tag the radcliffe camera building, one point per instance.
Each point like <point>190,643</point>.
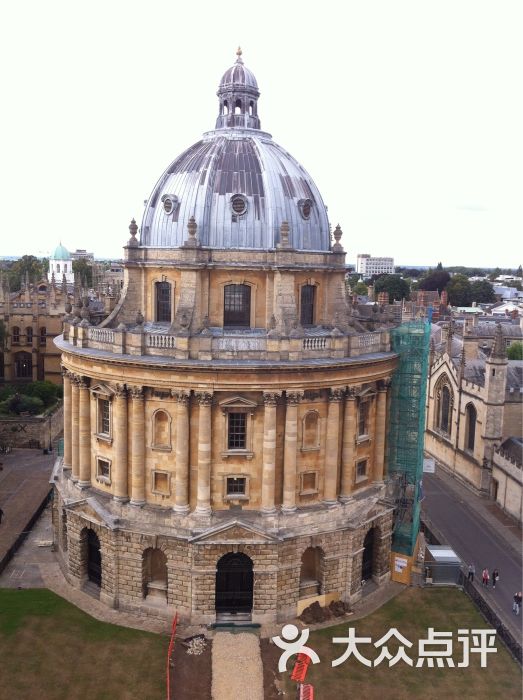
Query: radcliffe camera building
<point>224,440</point>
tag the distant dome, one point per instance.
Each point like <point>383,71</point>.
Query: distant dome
<point>61,253</point>
<point>237,183</point>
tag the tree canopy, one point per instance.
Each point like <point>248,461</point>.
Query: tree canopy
<point>84,270</point>
<point>515,351</point>
<point>482,292</point>
<point>37,269</point>
<point>459,291</point>
<point>435,280</point>
<point>394,285</point>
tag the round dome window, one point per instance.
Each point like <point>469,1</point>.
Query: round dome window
<point>170,203</point>
<point>305,206</point>
<point>238,204</point>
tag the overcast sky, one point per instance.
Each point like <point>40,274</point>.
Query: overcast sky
<point>407,114</point>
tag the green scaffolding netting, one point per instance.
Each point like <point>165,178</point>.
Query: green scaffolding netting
<point>406,429</point>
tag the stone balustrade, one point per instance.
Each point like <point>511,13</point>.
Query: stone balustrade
<point>247,346</point>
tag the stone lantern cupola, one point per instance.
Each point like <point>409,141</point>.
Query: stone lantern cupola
<point>238,94</point>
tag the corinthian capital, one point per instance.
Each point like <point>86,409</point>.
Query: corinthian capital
<point>181,395</point>
<point>270,398</point>
<point>120,391</point>
<point>203,398</point>
<point>293,398</point>
<point>336,394</point>
<point>136,392</point>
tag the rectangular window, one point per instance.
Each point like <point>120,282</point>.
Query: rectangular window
<point>308,293</point>
<point>361,470</point>
<point>104,417</point>
<point>29,335</point>
<point>236,486</point>
<point>103,470</point>
<point>163,302</point>
<point>363,418</point>
<point>237,305</point>
<point>237,431</point>
<point>161,483</point>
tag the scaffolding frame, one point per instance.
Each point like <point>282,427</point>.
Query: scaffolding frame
<point>406,428</point>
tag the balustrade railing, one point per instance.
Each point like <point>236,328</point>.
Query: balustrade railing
<point>162,342</point>
<point>315,343</point>
<point>101,335</point>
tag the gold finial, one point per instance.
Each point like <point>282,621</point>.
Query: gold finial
<point>239,55</point>
<point>239,51</point>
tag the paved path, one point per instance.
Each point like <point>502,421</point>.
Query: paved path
<point>478,534</point>
<point>24,486</point>
<point>237,670</point>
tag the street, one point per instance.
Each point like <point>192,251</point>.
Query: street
<point>458,514</point>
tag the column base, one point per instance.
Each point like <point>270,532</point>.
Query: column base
<point>136,503</point>
<point>330,504</point>
<point>269,510</point>
<point>121,499</point>
<point>83,484</point>
<point>202,510</point>
<point>287,510</point>
<point>74,479</point>
<point>182,510</point>
<point>345,499</point>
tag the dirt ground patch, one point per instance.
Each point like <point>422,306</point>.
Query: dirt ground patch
<point>191,676</point>
<point>272,680</point>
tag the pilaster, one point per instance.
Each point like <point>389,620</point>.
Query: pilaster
<point>289,459</point>
<point>137,446</point>
<point>270,399</point>
<point>203,504</point>
<point>181,499</point>
<point>84,421</point>
<point>332,446</point>
<point>121,492</point>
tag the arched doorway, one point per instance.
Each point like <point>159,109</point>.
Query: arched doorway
<point>234,584</point>
<point>311,572</point>
<point>368,556</point>
<point>94,558</point>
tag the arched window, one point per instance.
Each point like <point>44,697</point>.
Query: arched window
<point>225,109</point>
<point>28,335</point>
<point>238,107</point>
<point>16,335</point>
<point>311,572</point>
<point>161,430</point>
<point>43,335</point>
<point>307,299</point>
<point>58,267</point>
<point>65,267</point>
<point>444,404</point>
<point>251,108</point>
<point>237,305</point>
<point>154,573</point>
<point>311,431</point>
<point>470,427</point>
<point>23,365</point>
<point>163,302</point>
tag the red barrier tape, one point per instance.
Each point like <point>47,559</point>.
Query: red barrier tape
<point>169,655</point>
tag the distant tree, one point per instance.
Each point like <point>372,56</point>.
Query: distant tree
<point>513,283</point>
<point>515,351</point>
<point>84,270</point>
<point>435,280</point>
<point>27,264</point>
<point>495,274</point>
<point>482,292</point>
<point>394,285</point>
<point>439,266</point>
<point>360,289</point>
<point>519,272</point>
<point>459,291</point>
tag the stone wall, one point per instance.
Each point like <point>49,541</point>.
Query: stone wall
<point>32,431</point>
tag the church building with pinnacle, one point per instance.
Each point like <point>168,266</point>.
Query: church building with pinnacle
<point>225,426</point>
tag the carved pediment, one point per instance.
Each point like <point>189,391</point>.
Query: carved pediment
<point>237,402</point>
<point>103,391</point>
<point>234,532</point>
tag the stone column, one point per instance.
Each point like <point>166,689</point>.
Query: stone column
<point>67,418</point>
<point>348,445</point>
<point>332,445</point>
<point>121,492</point>
<point>289,459</point>
<point>269,452</point>
<point>182,452</point>
<point>75,432</point>
<point>203,505</point>
<point>84,421</point>
<point>137,446</point>
<point>379,432</point>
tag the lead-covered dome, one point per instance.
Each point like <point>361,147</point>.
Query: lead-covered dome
<point>237,183</point>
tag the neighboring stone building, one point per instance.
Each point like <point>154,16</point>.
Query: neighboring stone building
<point>507,477</point>
<point>224,439</point>
<point>60,264</point>
<point>473,405</point>
<point>367,266</point>
<point>32,318</point>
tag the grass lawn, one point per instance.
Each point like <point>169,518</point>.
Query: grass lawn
<point>50,650</point>
<point>412,613</point>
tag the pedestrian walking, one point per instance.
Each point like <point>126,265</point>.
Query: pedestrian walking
<point>485,577</point>
<point>516,603</point>
<point>519,599</point>
<point>1,514</point>
<point>495,578</point>
<point>472,571</point>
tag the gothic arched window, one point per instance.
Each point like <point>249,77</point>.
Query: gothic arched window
<point>470,427</point>
<point>444,406</point>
